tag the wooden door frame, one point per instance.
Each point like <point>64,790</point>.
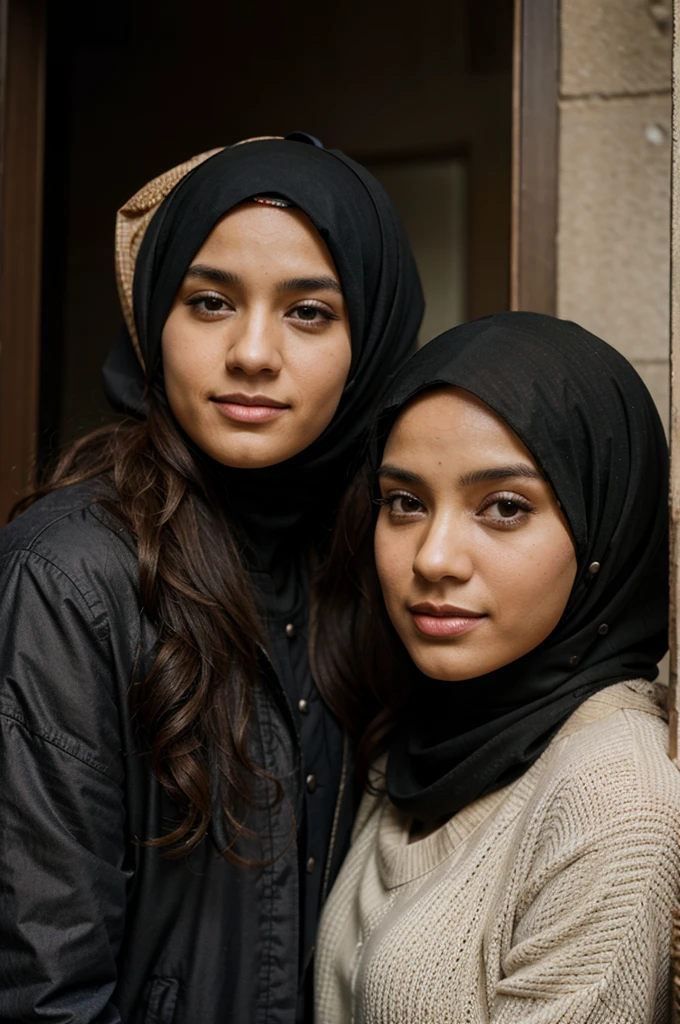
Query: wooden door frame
<point>674,503</point>
<point>535,121</point>
<point>22,99</point>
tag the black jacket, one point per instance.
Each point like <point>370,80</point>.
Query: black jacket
<point>95,926</point>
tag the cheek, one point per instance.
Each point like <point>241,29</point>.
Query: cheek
<point>532,585</point>
<point>393,562</point>
<point>553,568</point>
<point>186,363</point>
<point>319,372</point>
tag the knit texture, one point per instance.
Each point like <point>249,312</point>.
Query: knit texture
<point>548,901</point>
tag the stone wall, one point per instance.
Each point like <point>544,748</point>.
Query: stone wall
<point>614,178</point>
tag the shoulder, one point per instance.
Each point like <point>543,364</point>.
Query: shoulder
<point>69,575</point>
<point>610,782</point>
<point>626,745</point>
<point>64,522</point>
<point>69,535</point>
<point>70,623</point>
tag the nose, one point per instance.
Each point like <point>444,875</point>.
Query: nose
<point>254,344</point>
<point>445,552</point>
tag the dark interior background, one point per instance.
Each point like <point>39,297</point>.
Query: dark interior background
<point>134,88</point>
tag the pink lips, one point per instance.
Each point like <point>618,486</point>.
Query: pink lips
<point>444,620</point>
<point>243,408</point>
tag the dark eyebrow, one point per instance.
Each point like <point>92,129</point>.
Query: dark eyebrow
<point>481,476</point>
<point>213,274</point>
<point>309,284</point>
<point>293,284</point>
<point>476,476</point>
<point>405,475</point>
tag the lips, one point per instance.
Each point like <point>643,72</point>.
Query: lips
<point>444,620</point>
<point>244,408</point>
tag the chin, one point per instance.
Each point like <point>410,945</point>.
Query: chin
<point>245,461</point>
<point>247,456</point>
<point>243,450</point>
<point>436,665</point>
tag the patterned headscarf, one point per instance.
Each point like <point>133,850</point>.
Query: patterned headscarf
<point>163,226</point>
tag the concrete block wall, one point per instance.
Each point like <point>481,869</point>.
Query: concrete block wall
<point>614,178</point>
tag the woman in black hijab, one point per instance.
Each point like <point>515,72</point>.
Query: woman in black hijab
<point>174,789</point>
<point>525,834</point>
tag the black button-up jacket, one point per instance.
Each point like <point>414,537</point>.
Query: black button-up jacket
<point>95,926</point>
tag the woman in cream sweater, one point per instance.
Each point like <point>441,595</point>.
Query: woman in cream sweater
<point>517,853</point>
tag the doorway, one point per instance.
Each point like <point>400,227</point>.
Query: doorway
<point>125,89</point>
<point>135,88</point>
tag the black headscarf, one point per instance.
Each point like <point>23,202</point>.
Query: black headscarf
<point>594,432</point>
<point>366,240</point>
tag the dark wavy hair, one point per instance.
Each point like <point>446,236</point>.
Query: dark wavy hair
<point>195,706</point>
<point>360,665</point>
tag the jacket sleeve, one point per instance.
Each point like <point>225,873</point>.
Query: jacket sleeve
<point>592,933</point>
<point>62,877</point>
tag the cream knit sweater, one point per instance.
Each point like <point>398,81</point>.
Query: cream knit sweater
<point>548,901</point>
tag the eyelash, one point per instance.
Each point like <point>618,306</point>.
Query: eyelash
<point>326,315</point>
<point>525,507</point>
<point>196,300</point>
<point>389,499</point>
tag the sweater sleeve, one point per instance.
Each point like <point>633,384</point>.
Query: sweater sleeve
<point>62,877</point>
<point>590,939</point>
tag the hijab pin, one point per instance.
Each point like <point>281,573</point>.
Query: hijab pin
<point>271,201</point>
<point>594,568</point>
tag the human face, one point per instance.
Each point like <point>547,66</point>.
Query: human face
<point>474,556</point>
<point>256,348</point>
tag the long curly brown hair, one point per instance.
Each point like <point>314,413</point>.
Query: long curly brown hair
<point>195,706</point>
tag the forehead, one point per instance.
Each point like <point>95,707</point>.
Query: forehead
<point>251,228</point>
<point>449,423</point>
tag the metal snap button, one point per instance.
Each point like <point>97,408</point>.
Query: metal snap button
<point>311,783</point>
<point>303,706</point>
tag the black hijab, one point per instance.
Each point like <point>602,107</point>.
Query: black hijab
<point>594,432</point>
<point>366,240</point>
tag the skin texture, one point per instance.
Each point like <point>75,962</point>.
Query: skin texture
<point>499,548</point>
<point>249,330</point>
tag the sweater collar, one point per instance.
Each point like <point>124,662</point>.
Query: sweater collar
<point>401,862</point>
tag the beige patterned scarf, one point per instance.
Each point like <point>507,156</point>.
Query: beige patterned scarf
<point>134,218</point>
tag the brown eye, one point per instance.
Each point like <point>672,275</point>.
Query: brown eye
<point>213,304</point>
<point>206,305</point>
<point>507,509</point>
<point>406,503</point>
<point>315,316</point>
<point>402,505</point>
<point>307,312</point>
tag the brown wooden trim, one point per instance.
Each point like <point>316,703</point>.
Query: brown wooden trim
<point>22,43</point>
<point>533,247</point>
<point>674,625</point>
